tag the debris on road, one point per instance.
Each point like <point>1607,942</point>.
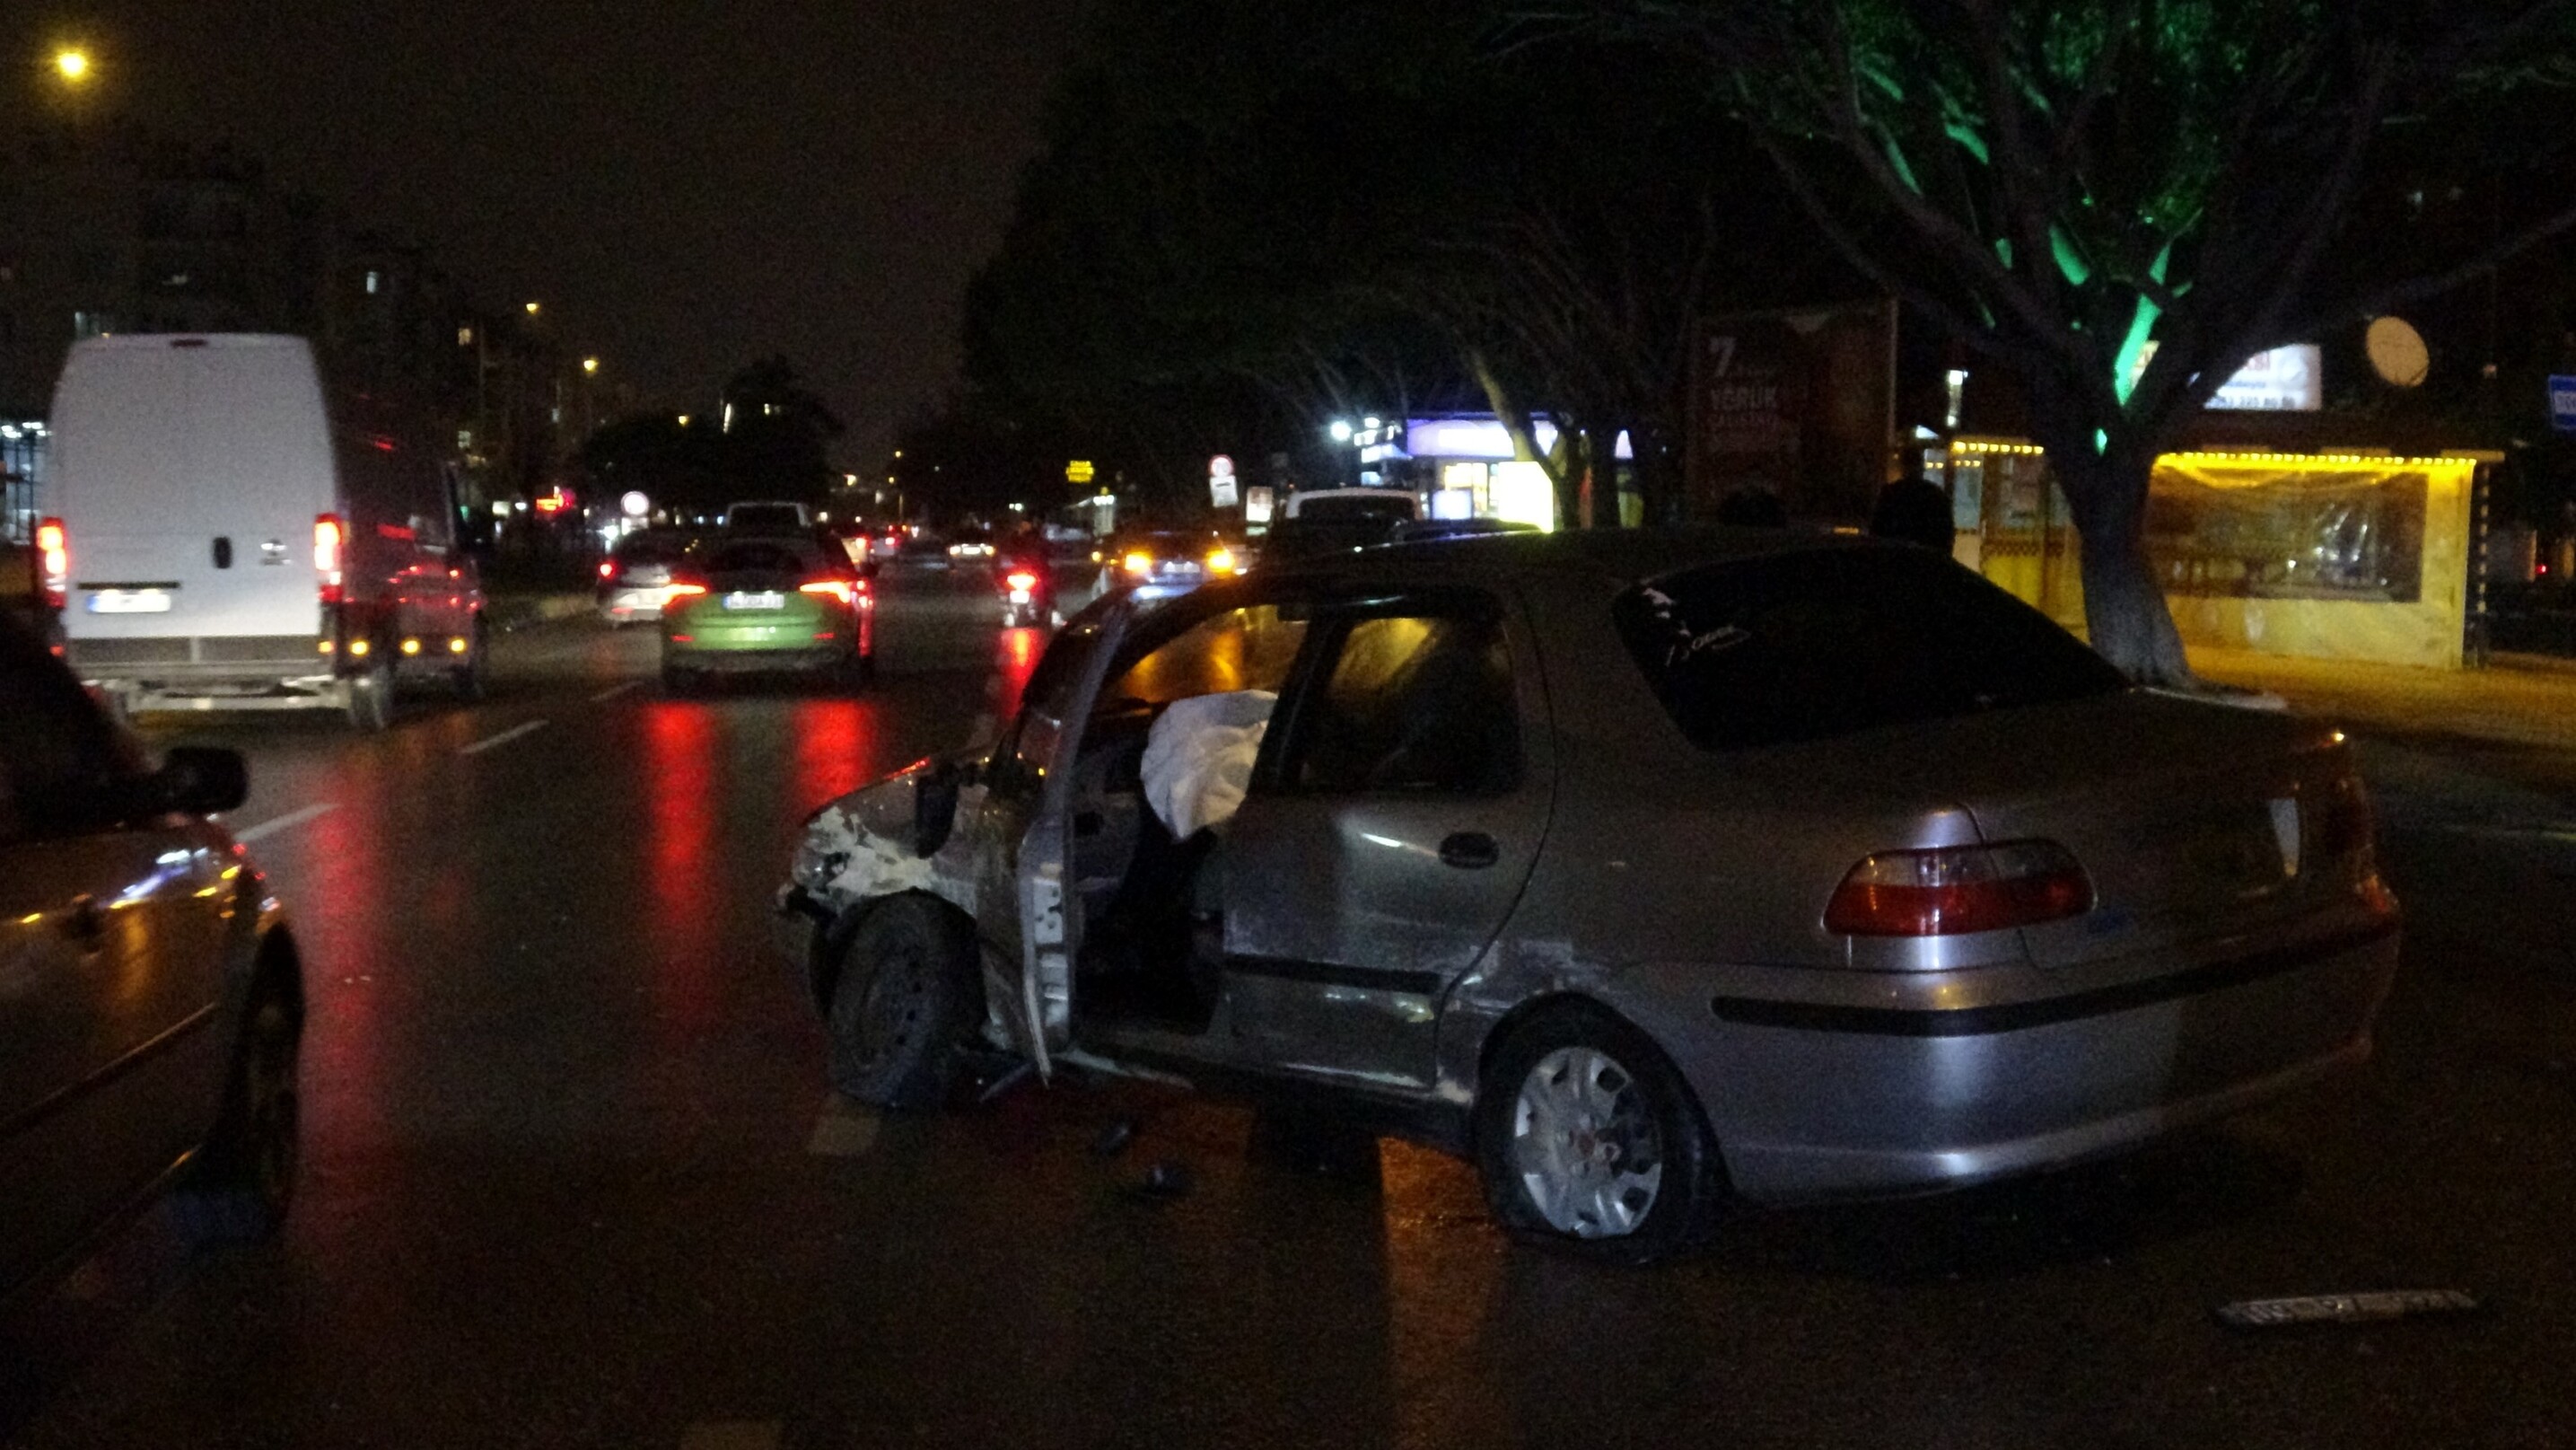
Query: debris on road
<point>2368,1308</point>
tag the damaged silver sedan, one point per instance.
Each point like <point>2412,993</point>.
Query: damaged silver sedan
<point>1652,872</point>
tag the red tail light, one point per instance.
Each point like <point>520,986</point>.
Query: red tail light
<point>54,561</point>
<point>330,555</point>
<point>682,591</point>
<point>607,568</point>
<point>1960,889</point>
<point>1022,579</point>
<point>837,588</point>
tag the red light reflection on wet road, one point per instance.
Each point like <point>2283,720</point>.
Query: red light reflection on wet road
<point>1018,657</point>
<point>836,750</point>
<point>683,788</point>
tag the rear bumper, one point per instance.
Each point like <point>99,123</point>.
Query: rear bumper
<point>757,659</point>
<point>1813,1102</point>
<point>247,672</point>
<point>632,606</point>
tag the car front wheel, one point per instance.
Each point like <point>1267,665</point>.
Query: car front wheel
<point>240,1186</point>
<point>1588,1140</point>
<point>906,996</point>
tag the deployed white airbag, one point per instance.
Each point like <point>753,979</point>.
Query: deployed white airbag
<point>1198,759</point>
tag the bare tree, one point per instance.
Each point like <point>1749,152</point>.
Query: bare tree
<point>2064,182</point>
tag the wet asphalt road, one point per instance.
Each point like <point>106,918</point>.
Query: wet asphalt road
<point>572,1176</point>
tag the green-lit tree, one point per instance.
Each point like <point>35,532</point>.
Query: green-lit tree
<point>2064,182</point>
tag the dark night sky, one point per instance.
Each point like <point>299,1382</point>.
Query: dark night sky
<point>686,184</point>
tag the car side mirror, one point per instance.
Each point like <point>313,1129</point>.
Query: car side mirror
<point>200,781</point>
<point>934,807</point>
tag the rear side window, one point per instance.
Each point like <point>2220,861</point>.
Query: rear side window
<point>1809,646</point>
<point>759,558</point>
<point>58,753</point>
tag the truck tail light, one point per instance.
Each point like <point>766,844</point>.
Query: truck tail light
<point>1960,889</point>
<point>54,561</point>
<point>330,556</point>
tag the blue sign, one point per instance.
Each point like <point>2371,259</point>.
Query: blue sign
<point>2562,404</point>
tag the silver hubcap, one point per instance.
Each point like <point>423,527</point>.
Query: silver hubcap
<point>1585,1145</point>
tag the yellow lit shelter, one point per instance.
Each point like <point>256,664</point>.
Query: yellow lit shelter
<point>2350,556</point>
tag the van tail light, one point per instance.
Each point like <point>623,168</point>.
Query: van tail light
<point>330,555</point>
<point>1959,889</point>
<point>1022,580</point>
<point>835,588</point>
<point>54,561</point>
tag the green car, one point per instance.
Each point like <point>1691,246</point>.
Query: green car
<point>766,605</point>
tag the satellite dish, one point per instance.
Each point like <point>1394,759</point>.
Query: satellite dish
<point>2397,352</point>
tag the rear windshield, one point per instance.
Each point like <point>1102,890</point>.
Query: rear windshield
<point>651,550</point>
<point>764,516</point>
<point>755,557</point>
<point>1813,645</point>
<point>1393,506</point>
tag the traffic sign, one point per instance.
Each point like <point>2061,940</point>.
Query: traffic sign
<point>2562,404</point>
<point>1080,471</point>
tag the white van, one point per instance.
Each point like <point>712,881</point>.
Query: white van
<point>232,535</point>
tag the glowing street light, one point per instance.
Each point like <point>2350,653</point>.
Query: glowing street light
<point>590,364</point>
<point>534,309</point>
<point>72,63</point>
<point>1341,431</point>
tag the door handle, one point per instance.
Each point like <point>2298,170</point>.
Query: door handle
<point>85,922</point>
<point>1470,851</point>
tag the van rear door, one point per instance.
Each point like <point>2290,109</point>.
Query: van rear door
<point>190,471</point>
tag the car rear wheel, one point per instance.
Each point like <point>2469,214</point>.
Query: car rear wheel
<point>906,997</point>
<point>472,675</point>
<point>239,1190</point>
<point>1589,1141</point>
<point>371,695</point>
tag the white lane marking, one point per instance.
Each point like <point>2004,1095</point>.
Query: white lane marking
<point>613,691</point>
<point>287,822</point>
<point>846,1129</point>
<point>733,1435</point>
<point>488,742</point>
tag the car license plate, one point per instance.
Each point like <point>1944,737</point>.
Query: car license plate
<point>743,599</point>
<point>130,601</point>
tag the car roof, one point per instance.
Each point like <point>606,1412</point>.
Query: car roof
<point>1628,555</point>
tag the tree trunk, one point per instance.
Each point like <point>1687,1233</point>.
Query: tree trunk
<point>2125,612</point>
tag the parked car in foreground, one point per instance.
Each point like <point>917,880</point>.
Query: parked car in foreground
<point>1652,871</point>
<point>150,1003</point>
<point>767,605</point>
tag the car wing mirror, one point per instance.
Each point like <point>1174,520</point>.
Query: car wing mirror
<point>200,781</point>
<point>934,807</point>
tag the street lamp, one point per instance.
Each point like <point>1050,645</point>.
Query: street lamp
<point>534,309</point>
<point>1341,431</point>
<point>72,63</point>
<point>590,365</point>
